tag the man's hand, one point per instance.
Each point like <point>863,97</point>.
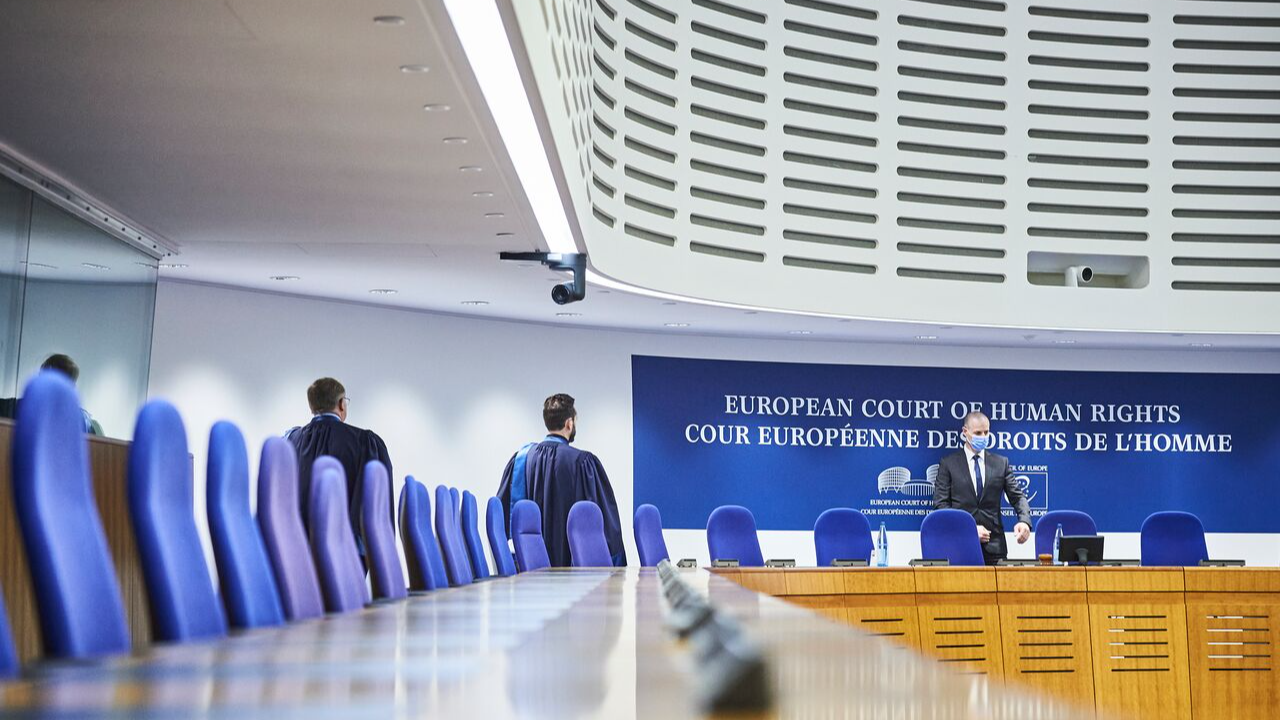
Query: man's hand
<point>1022,531</point>
<point>983,534</point>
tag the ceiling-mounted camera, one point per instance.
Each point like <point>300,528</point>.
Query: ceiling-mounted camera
<point>575,263</point>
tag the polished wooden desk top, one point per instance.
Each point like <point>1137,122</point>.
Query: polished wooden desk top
<point>555,644</point>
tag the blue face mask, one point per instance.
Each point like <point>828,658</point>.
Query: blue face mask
<point>980,442</point>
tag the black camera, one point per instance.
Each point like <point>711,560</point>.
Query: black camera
<point>575,263</point>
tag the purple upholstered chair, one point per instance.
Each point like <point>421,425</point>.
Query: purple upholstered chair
<point>649,541</point>
<point>184,606</point>
<point>76,592</point>
<point>1073,522</point>
<point>504,564</point>
<point>731,535</point>
<point>379,536</point>
<point>842,534</point>
<point>455,555</point>
<point>280,518</point>
<point>471,535</point>
<point>951,535</point>
<point>526,535</point>
<point>587,544</point>
<point>332,543</point>
<point>421,552</point>
<point>1173,539</point>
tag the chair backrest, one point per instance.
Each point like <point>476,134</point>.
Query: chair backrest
<point>183,603</point>
<point>842,534</point>
<point>8,655</point>
<point>426,569</point>
<point>951,535</point>
<point>332,542</point>
<point>587,544</point>
<point>731,535</point>
<point>649,541</point>
<point>471,536</point>
<point>455,556</point>
<point>244,572</point>
<point>1073,522</point>
<point>280,520</point>
<point>526,535</point>
<point>385,573</point>
<point>1173,539</point>
<point>503,563</point>
<point>75,586</point>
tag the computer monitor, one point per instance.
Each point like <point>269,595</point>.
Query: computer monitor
<point>1080,549</point>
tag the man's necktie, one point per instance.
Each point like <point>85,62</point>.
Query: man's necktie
<point>977,476</point>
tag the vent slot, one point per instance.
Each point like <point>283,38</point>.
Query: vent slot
<point>846,10</point>
<point>947,76</point>
<point>829,188</point>
<point>814,264</point>
<point>650,122</point>
<point>650,235</point>
<point>951,176</point>
<point>654,10</point>
<point>602,216</point>
<point>830,110</point>
<point>949,51</point>
<point>726,198</point>
<point>715,87</point>
<point>644,177</point>
<point>651,151</point>
<point>988,5</point>
<point>838,163</point>
<point>950,126</point>
<point>1077,39</point>
<point>1089,185</point>
<point>727,117</point>
<point>1088,14</point>
<point>1227,93</point>
<point>1088,112</point>
<point>842,215</point>
<point>649,207</point>
<point>1092,88</point>
<point>729,37</point>
<point>1064,209</point>
<point>825,239</point>
<point>1089,64</point>
<point>725,252</point>
<point>1228,238</point>
<point>731,10</point>
<point>949,26</point>
<point>1197,69</point>
<point>1087,161</point>
<point>1087,137</point>
<point>926,249</point>
<point>823,83</point>
<point>845,138</point>
<point>1227,214</point>
<point>731,145</point>
<point>951,225</point>
<point>650,93</point>
<point>924,274</point>
<point>650,36</point>
<point>828,59</point>
<point>951,200</point>
<point>1225,117</point>
<point>951,150</point>
<point>1226,286</point>
<point>1227,262</point>
<point>1078,234</point>
<point>726,171</point>
<point>650,65</point>
<point>930,99</point>
<point>1202,141</point>
<point>724,62</point>
<point>1225,190</point>
<point>830,34</point>
<point>1229,45</point>
<point>727,225</point>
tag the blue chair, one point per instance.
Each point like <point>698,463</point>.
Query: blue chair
<point>504,564</point>
<point>280,519</point>
<point>951,535</point>
<point>587,544</point>
<point>471,534</point>
<point>842,534</point>
<point>647,525</point>
<point>379,536</point>
<point>184,605</point>
<point>244,572</point>
<point>731,535</point>
<point>8,655</point>
<point>526,535</point>
<point>332,542</point>
<point>75,586</point>
<point>455,556</point>
<point>1173,539</point>
<point>1073,522</point>
<point>421,552</point>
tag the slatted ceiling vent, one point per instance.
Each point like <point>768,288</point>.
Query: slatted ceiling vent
<point>929,142</point>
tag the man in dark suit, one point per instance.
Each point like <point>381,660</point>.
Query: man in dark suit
<point>972,479</point>
<point>329,434</point>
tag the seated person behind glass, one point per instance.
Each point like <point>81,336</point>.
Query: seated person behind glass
<point>65,365</point>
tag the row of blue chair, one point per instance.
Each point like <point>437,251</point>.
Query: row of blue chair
<point>1167,538</point>
<point>270,570</point>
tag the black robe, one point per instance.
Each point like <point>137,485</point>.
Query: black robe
<point>353,447</point>
<point>557,475</point>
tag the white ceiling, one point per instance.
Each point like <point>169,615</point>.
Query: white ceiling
<point>281,138</point>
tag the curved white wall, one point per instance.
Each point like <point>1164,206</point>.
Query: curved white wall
<point>932,160</point>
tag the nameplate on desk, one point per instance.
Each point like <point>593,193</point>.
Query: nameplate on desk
<point>838,562</point>
<point>687,563</point>
<point>1221,563</point>
<point>780,563</point>
<point>724,563</point>
<point>1120,563</point>
<point>926,562</point>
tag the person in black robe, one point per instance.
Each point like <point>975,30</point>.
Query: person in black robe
<point>329,434</point>
<point>556,475</point>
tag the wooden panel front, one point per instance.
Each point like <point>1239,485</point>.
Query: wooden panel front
<point>1046,642</point>
<point>892,617</point>
<point>1232,640</point>
<point>1134,579</point>
<point>768,581</point>
<point>955,580</point>
<point>108,462</point>
<point>1241,579</point>
<point>1140,654</point>
<point>962,629</point>
<point>886,581</point>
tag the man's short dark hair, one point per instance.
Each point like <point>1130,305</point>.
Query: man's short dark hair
<point>557,410</point>
<point>324,394</point>
<point>63,364</point>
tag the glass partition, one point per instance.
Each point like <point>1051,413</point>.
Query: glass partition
<point>79,292</point>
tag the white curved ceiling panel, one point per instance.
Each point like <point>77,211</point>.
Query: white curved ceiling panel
<point>930,160</point>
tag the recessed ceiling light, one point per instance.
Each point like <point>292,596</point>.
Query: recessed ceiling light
<point>383,291</point>
<point>174,266</point>
<point>436,107</point>
<point>470,169</point>
<point>568,314</point>
<point>676,324</point>
<point>285,278</point>
<point>389,20</point>
<point>482,194</point>
<point>455,141</point>
<point>504,234</point>
<point>94,266</point>
<point>475,302</point>
<point>800,332</point>
<point>414,69</point>
<point>926,337</point>
<point>1201,345</point>
<point>495,215</point>
<point>145,264</point>
<point>668,303</point>
<point>46,266</point>
<point>751,312</point>
<point>1064,342</point>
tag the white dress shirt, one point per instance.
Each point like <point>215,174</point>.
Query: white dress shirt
<point>982,463</point>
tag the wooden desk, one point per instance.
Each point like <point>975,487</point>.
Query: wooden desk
<point>554,644</point>
<point>1158,643</point>
<point>108,463</point>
